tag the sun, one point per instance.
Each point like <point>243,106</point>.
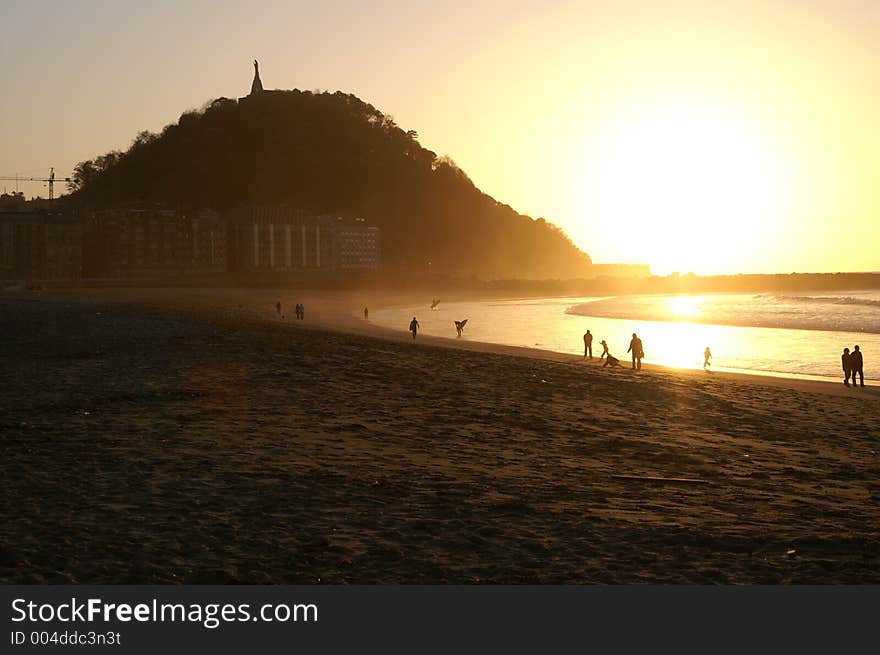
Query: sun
<point>688,188</point>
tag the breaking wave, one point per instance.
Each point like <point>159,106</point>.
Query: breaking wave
<point>829,300</point>
<point>847,312</point>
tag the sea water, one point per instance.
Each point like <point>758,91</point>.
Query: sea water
<point>796,334</point>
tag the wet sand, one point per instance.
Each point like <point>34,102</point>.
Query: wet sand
<point>166,436</point>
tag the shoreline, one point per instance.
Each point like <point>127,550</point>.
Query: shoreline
<point>340,312</point>
<point>770,378</point>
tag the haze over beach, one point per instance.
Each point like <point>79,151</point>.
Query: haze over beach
<point>460,293</point>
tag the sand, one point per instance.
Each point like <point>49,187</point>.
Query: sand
<point>192,436</point>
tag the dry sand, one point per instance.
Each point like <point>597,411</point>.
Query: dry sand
<point>156,436</point>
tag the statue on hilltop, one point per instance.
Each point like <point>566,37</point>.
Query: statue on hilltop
<point>257,86</point>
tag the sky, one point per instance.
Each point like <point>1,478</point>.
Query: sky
<point>706,137</point>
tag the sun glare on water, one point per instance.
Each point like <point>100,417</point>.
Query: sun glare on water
<point>684,306</point>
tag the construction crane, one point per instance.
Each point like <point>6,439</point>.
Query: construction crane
<point>50,180</point>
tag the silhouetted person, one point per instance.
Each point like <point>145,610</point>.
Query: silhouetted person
<point>846,363</point>
<point>588,345</point>
<point>707,355</point>
<point>414,326</point>
<point>604,349</point>
<point>278,307</point>
<point>635,346</point>
<point>366,313</point>
<point>611,360</point>
<point>856,361</point>
<point>302,312</point>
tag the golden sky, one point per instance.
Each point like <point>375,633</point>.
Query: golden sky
<point>714,137</point>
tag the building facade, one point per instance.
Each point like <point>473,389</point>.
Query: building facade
<point>355,245</point>
<point>278,238</point>
<point>204,241</point>
<point>40,246</point>
<point>273,238</point>
<point>153,243</point>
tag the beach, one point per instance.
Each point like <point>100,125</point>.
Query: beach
<point>195,436</point>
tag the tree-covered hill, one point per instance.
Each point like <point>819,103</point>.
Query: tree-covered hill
<point>331,153</point>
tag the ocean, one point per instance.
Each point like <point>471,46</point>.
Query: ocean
<point>792,334</point>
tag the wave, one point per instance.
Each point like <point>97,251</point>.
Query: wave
<point>832,300</point>
<point>825,313</point>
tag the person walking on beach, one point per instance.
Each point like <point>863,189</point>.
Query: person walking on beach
<point>278,307</point>
<point>635,346</point>
<point>604,349</point>
<point>857,366</point>
<point>414,326</point>
<point>846,363</point>
<point>366,314</point>
<point>588,345</point>
<point>302,312</point>
<point>707,355</point>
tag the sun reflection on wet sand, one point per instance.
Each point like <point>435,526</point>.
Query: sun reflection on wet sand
<point>681,344</point>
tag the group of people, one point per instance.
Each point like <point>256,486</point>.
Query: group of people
<point>852,361</point>
<point>638,352</point>
<point>635,347</point>
<point>299,310</point>
<point>853,365</point>
<point>414,325</point>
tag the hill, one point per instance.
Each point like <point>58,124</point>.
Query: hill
<point>331,152</point>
